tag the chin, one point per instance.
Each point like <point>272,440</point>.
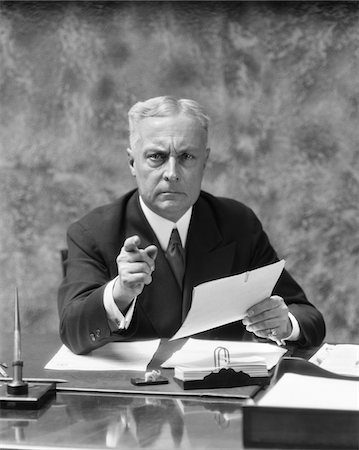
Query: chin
<point>172,211</point>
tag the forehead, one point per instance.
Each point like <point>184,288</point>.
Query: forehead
<point>180,128</point>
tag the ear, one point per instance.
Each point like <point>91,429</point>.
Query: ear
<point>131,161</point>
<point>208,150</point>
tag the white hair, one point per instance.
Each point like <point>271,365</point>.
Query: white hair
<point>164,106</point>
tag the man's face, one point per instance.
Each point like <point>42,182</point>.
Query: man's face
<point>168,162</point>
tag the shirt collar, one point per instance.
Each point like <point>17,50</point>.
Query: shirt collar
<point>163,227</point>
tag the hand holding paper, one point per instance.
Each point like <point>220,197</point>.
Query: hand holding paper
<point>227,300</point>
<point>269,319</point>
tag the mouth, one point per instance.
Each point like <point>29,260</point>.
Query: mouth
<point>171,196</point>
<point>171,193</point>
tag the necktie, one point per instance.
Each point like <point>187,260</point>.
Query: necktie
<point>175,256</point>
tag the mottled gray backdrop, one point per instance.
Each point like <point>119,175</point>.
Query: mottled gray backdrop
<point>280,81</point>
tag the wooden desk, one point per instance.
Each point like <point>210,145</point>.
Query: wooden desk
<point>89,420</point>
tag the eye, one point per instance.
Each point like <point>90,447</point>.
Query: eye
<point>187,157</point>
<point>157,157</point>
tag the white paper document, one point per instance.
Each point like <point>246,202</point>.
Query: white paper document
<point>341,358</point>
<point>112,356</point>
<point>302,391</point>
<point>200,353</point>
<point>226,300</point>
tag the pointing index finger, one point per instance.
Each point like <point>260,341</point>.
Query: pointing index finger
<point>132,243</point>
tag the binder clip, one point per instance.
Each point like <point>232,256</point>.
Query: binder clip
<point>219,354</point>
<point>224,376</point>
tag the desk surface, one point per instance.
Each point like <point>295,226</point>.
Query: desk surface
<point>94,421</point>
<point>81,420</point>
<point>37,350</point>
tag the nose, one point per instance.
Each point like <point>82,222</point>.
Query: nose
<point>171,172</point>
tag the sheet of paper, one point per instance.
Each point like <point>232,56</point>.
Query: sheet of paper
<point>112,356</point>
<point>340,358</point>
<point>200,352</point>
<point>226,300</point>
<point>302,391</point>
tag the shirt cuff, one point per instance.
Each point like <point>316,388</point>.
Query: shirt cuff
<point>113,313</point>
<point>294,335</point>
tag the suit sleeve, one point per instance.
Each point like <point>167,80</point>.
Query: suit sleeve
<point>83,319</point>
<point>311,322</point>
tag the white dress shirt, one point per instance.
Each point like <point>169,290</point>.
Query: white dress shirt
<point>162,229</point>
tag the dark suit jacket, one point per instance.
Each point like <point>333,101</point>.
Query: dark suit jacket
<point>224,238</point>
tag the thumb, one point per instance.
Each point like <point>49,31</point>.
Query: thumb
<point>151,251</point>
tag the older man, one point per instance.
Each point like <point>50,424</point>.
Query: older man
<point>132,264</point>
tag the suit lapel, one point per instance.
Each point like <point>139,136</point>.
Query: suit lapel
<point>208,257</point>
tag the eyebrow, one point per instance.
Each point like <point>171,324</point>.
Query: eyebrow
<point>155,148</point>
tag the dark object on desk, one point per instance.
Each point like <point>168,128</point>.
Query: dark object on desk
<point>150,378</point>
<point>268,427</point>
<point>17,386</point>
<point>18,393</point>
<point>225,378</point>
<point>35,398</point>
<point>301,428</point>
<point>143,382</point>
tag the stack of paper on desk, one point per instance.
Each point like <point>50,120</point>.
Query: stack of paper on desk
<point>305,412</point>
<point>253,366</point>
<point>302,391</point>
<point>199,353</point>
<point>340,358</point>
